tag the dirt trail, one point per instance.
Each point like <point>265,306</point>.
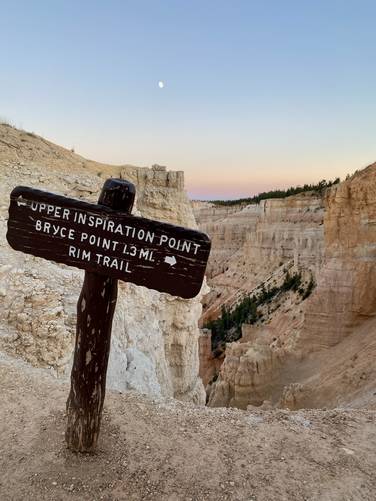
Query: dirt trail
<point>166,450</point>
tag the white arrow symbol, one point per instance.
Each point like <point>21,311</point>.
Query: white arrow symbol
<point>20,202</point>
<point>170,260</point>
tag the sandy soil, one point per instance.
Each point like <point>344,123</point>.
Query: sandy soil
<point>166,450</point>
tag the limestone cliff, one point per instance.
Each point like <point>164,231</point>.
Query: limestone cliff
<point>250,243</point>
<point>319,352</point>
<point>208,362</point>
<point>155,336</point>
<point>347,283</point>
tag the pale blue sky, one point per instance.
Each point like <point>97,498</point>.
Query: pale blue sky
<point>257,94</point>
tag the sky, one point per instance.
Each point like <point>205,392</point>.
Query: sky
<point>257,94</point>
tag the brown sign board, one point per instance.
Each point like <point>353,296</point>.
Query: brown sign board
<point>98,239</point>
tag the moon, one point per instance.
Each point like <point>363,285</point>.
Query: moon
<point>160,84</point>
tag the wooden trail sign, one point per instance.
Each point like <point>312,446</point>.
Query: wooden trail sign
<point>114,243</point>
<point>109,244</point>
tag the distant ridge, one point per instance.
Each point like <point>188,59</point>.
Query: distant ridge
<point>293,190</point>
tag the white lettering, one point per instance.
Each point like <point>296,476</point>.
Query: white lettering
<point>133,250</point>
<point>149,237</point>
<point>81,218</point>
<point>79,253</point>
<point>186,246</point>
<point>144,253</point>
<point>86,255</point>
<point>163,239</point>
<point>197,246</point>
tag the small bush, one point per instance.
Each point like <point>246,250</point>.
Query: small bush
<point>5,121</point>
<point>310,287</point>
<point>227,327</point>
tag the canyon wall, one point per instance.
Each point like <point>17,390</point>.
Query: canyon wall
<point>155,336</point>
<point>315,352</point>
<point>347,282</point>
<point>209,363</point>
<point>252,242</point>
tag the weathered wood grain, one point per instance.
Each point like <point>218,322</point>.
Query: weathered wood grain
<point>95,310</point>
<point>169,258</point>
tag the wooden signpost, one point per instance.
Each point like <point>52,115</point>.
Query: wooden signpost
<point>109,243</point>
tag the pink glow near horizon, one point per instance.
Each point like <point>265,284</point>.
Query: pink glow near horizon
<point>216,191</point>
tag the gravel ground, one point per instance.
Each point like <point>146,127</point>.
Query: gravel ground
<point>168,450</point>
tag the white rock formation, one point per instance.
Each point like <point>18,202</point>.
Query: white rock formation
<point>250,243</point>
<point>155,336</point>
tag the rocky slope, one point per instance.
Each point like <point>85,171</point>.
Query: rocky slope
<point>155,336</point>
<point>316,352</point>
<point>167,450</point>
